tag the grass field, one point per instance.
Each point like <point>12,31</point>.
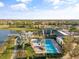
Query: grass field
<point>18,29</point>
<point>8,52</point>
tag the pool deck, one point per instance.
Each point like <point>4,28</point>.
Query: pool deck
<point>37,49</point>
<point>57,47</point>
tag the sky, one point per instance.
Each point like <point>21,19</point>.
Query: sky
<point>39,9</point>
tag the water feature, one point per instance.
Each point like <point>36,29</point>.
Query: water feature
<point>4,35</point>
<point>49,46</point>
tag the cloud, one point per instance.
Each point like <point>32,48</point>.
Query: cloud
<point>76,7</point>
<point>20,6</point>
<point>62,2</point>
<point>67,13</point>
<point>24,1</point>
<point>70,12</point>
<point>53,1</point>
<point>1,4</point>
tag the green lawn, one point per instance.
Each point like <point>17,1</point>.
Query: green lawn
<point>18,29</point>
<point>8,52</point>
<point>29,52</point>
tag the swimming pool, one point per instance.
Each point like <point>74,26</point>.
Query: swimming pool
<point>49,46</point>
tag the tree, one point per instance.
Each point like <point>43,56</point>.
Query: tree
<point>72,30</point>
<point>75,52</point>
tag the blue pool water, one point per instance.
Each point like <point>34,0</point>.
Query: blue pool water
<point>49,46</point>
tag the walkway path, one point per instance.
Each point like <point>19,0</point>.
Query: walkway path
<point>14,52</point>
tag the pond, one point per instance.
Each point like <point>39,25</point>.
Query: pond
<point>4,35</point>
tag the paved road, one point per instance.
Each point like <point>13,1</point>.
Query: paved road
<point>14,52</point>
<point>18,53</point>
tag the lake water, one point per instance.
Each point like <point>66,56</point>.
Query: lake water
<point>4,35</point>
